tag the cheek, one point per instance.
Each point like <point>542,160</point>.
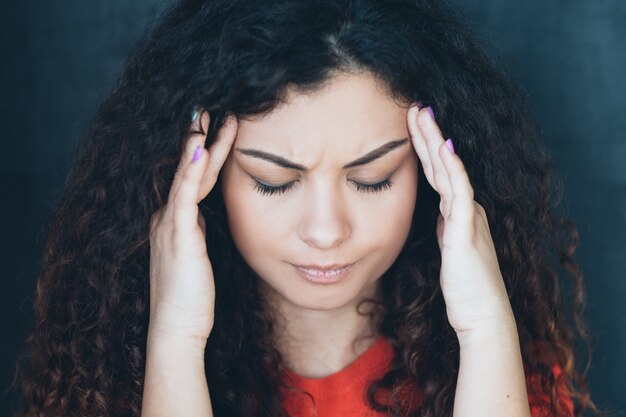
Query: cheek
<point>252,226</point>
<point>396,222</point>
<point>391,217</point>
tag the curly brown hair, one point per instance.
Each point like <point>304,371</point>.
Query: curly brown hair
<point>86,353</point>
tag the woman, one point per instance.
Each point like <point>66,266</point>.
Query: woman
<point>310,242</point>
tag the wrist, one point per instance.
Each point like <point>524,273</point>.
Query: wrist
<point>179,345</point>
<point>172,326</point>
<point>497,332</point>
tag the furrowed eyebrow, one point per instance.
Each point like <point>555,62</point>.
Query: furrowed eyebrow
<point>365,159</point>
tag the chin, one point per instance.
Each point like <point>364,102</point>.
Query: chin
<point>321,304</point>
<point>321,298</point>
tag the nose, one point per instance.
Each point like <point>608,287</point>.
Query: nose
<point>325,222</point>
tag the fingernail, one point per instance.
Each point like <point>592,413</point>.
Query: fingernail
<point>194,114</point>
<point>432,113</point>
<point>450,145</point>
<point>197,153</point>
<point>420,105</point>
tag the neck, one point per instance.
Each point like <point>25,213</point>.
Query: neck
<point>317,343</point>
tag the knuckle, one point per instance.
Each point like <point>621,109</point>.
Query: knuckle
<point>189,151</point>
<point>155,217</point>
<point>443,204</point>
<point>440,178</point>
<point>177,203</point>
<point>190,146</point>
<point>160,221</point>
<point>185,176</point>
<point>180,170</point>
<point>437,174</point>
<point>186,155</point>
<point>423,115</point>
<point>480,209</point>
<point>212,173</point>
<point>155,221</point>
<point>440,172</point>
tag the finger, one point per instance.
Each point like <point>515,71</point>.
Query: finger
<point>460,185</point>
<point>420,145</point>
<point>194,139</point>
<point>218,152</point>
<point>184,203</point>
<point>432,135</point>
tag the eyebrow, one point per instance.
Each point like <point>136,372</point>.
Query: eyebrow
<point>365,159</point>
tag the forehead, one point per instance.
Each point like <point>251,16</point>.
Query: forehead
<point>352,111</point>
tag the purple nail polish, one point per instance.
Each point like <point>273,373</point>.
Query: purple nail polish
<point>197,153</point>
<point>432,113</point>
<point>450,145</point>
<point>420,105</point>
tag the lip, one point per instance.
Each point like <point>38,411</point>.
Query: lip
<point>323,268</point>
<point>323,274</point>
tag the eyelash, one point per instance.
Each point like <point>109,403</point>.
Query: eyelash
<point>265,189</point>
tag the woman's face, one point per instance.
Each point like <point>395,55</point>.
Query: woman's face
<point>298,192</point>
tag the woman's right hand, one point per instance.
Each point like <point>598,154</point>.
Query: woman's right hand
<point>182,290</point>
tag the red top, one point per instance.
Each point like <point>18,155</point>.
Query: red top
<point>343,393</point>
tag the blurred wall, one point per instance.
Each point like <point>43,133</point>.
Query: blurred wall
<point>570,55</point>
<point>59,62</point>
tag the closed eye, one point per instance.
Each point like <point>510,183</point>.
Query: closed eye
<point>373,188</point>
<point>265,189</point>
<point>269,190</point>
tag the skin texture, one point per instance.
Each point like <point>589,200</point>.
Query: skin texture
<point>324,219</point>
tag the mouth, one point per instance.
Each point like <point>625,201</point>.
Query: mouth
<point>323,274</point>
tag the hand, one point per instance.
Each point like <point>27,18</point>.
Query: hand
<point>182,290</point>
<point>471,281</point>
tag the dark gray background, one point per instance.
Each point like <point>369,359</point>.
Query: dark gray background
<point>59,61</point>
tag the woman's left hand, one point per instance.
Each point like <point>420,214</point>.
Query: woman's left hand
<point>471,281</point>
